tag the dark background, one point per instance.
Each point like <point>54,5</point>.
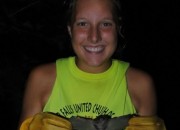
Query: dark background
<point>32,33</point>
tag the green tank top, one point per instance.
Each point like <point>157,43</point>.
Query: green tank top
<point>78,93</point>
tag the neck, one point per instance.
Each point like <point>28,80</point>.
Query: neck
<point>94,69</point>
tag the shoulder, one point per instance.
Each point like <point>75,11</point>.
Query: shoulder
<point>137,76</point>
<point>42,77</point>
<point>44,70</point>
<point>142,91</point>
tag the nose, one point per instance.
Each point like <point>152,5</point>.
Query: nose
<point>94,34</point>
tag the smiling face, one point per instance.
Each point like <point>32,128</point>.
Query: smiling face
<point>93,33</point>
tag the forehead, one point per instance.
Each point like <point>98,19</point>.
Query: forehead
<point>84,2</point>
<point>93,6</point>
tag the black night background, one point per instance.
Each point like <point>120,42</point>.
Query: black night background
<point>32,33</point>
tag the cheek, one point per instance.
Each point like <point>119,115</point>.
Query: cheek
<point>110,37</point>
<point>78,36</point>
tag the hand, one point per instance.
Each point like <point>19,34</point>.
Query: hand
<point>146,123</point>
<point>46,121</point>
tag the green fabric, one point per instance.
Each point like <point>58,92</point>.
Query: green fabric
<point>77,93</point>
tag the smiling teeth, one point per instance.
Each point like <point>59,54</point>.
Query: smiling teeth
<point>94,49</point>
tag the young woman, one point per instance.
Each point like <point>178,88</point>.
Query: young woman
<point>91,83</point>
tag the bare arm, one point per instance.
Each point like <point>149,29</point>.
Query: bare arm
<point>37,91</point>
<point>142,92</point>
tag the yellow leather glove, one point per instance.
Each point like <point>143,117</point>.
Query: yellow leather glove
<point>46,121</point>
<point>146,123</point>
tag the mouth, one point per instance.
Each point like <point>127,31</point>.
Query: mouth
<point>94,49</point>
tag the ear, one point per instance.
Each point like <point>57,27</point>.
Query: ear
<point>69,31</point>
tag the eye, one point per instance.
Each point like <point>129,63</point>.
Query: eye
<point>106,24</point>
<point>82,24</point>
